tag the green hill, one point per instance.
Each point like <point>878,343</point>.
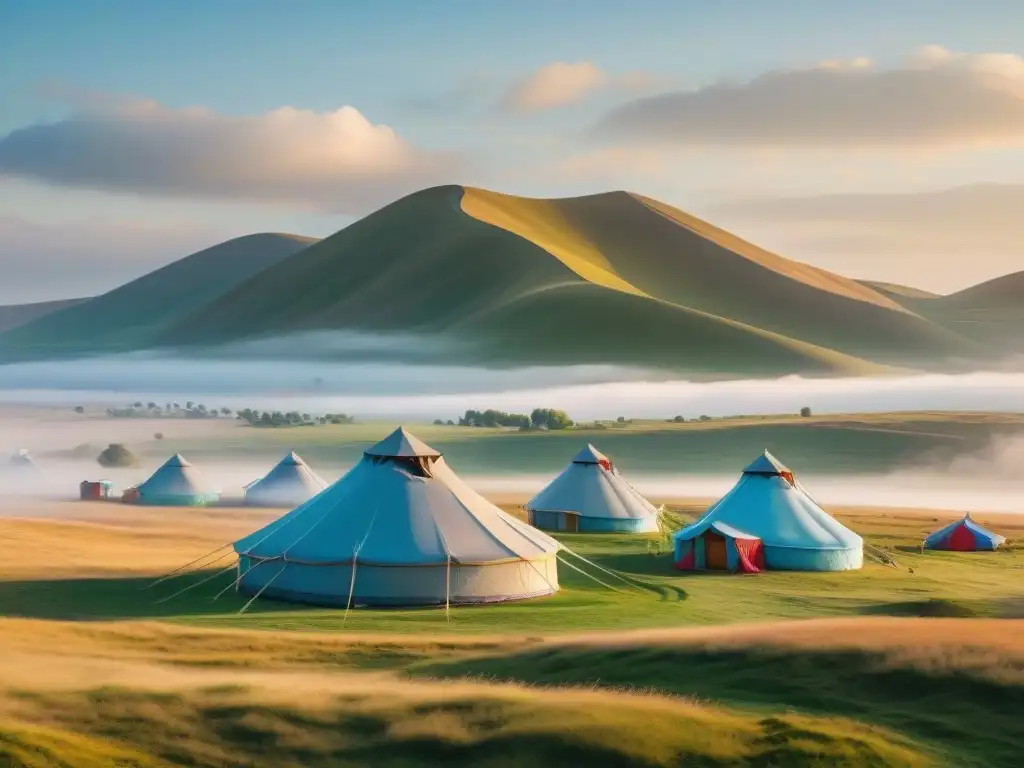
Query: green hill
<point>128,317</point>
<point>609,278</point>
<point>14,315</point>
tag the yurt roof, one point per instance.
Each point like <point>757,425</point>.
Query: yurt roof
<point>589,455</point>
<point>401,443</point>
<point>766,464</point>
<point>379,513</point>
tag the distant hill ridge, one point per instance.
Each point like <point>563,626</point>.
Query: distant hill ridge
<point>130,316</point>
<point>14,315</point>
<point>612,278</point>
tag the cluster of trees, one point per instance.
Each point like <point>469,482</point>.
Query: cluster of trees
<point>540,418</point>
<point>116,455</point>
<point>140,410</point>
<point>255,418</point>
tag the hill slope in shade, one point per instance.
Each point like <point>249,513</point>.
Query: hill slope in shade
<point>128,317</point>
<point>14,315</point>
<point>609,278</point>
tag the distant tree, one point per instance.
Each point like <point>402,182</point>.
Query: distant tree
<point>79,409</point>
<point>226,411</point>
<point>158,436</point>
<point>438,422</point>
<point>306,417</point>
<point>153,406</point>
<point>176,406</point>
<point>189,405</point>
<point>138,404</point>
<point>805,412</point>
<point>678,419</point>
<point>116,455</point>
<point>705,418</point>
<point>621,420</point>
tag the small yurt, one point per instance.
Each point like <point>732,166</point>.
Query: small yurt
<point>398,529</point>
<point>22,460</point>
<point>591,495</point>
<point>964,535</point>
<point>175,484</point>
<point>290,483</point>
<point>769,520</point>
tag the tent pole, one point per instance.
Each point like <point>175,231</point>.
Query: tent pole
<point>351,587</point>
<point>588,575</point>
<point>448,589</point>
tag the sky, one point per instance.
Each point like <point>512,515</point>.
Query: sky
<point>879,139</point>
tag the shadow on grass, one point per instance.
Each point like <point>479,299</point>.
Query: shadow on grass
<point>125,598</point>
<point>975,714</point>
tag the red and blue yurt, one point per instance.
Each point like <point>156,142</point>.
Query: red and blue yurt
<point>716,546</point>
<point>964,535</point>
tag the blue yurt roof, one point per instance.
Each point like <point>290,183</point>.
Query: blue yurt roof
<point>766,464</point>
<point>384,512</point>
<point>587,489</point>
<point>589,455</point>
<point>766,505</point>
<point>980,532</point>
<point>175,477</point>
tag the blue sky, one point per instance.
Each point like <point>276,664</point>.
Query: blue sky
<point>442,77</point>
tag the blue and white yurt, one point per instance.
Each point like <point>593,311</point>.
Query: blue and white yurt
<point>175,484</point>
<point>591,495</point>
<point>291,482</point>
<point>400,529</point>
<point>769,504</point>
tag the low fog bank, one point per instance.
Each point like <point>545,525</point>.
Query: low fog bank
<point>424,392</point>
<point>971,485</point>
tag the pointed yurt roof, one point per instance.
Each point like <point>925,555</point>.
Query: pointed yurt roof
<point>381,513</point>
<point>765,504</point>
<point>590,489</point>
<point>177,477</point>
<point>766,464</point>
<point>589,455</point>
<point>402,443</point>
<point>290,481</point>
<point>989,538</point>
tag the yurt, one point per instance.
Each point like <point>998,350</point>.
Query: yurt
<point>22,460</point>
<point>964,535</point>
<point>175,484</point>
<point>591,495</point>
<point>95,490</point>
<point>290,483</point>
<point>769,519</point>
<point>398,529</point>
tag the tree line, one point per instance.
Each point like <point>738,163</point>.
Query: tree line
<point>539,418</point>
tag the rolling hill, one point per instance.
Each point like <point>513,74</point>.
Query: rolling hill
<point>494,279</point>
<point>608,278</point>
<point>128,317</point>
<point>14,315</point>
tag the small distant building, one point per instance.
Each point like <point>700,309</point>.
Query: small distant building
<point>96,490</point>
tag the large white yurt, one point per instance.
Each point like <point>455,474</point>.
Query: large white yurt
<point>768,521</point>
<point>291,482</point>
<point>592,495</point>
<point>400,529</point>
<point>175,484</point>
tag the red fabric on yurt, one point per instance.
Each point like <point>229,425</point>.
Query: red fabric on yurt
<point>751,555</point>
<point>605,464</point>
<point>688,561</point>
<point>962,540</point>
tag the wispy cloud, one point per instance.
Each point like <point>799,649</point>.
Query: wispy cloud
<point>561,84</point>
<point>936,97</point>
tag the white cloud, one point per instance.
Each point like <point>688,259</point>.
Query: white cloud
<point>936,97</point>
<point>339,160</point>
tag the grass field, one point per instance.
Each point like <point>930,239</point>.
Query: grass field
<point>100,669</point>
